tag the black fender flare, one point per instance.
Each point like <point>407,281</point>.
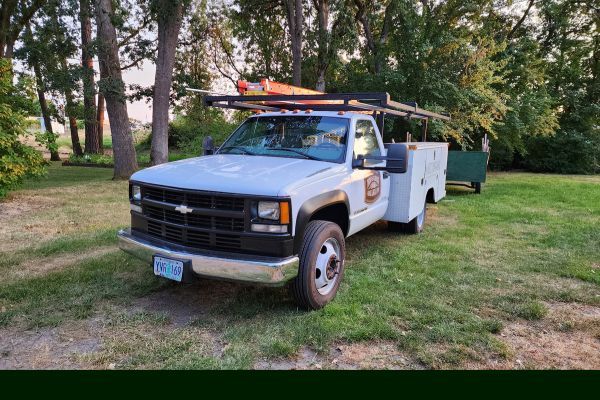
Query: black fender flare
<point>313,205</point>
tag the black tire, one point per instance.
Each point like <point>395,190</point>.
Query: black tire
<point>415,226</point>
<point>303,287</point>
<point>477,187</point>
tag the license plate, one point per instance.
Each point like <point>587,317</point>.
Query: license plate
<point>167,268</point>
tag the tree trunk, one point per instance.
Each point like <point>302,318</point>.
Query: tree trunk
<point>100,122</point>
<point>73,124</point>
<point>322,7</point>
<point>113,89</point>
<point>70,112</point>
<point>45,113</point>
<point>295,20</point>
<point>75,136</point>
<point>92,146</point>
<point>170,16</point>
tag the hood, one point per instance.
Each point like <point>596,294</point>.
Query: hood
<point>237,173</point>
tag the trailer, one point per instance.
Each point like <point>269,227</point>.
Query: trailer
<point>469,168</point>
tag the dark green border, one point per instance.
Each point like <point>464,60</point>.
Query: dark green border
<point>370,385</point>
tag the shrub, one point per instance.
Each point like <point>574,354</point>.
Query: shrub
<point>186,132</point>
<point>568,152</point>
<point>501,155</point>
<point>98,159</point>
<point>17,161</point>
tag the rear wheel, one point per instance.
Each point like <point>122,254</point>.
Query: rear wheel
<point>418,223</point>
<point>321,265</point>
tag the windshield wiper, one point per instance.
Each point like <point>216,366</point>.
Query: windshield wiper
<point>243,149</point>
<point>295,151</point>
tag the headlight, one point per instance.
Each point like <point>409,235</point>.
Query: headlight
<point>136,193</point>
<point>268,210</point>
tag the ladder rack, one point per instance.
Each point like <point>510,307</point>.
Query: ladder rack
<point>376,102</point>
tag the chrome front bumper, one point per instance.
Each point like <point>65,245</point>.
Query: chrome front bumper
<point>264,270</point>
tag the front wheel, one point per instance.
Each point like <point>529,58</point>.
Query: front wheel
<point>321,265</point>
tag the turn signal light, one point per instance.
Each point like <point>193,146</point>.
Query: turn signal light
<point>284,212</point>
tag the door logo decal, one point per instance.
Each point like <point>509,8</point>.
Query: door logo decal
<point>372,187</point>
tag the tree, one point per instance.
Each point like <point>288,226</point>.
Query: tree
<point>295,19</point>
<point>371,17</point>
<point>14,17</point>
<point>49,138</point>
<point>93,144</point>
<point>169,14</point>
<point>46,47</point>
<point>260,29</point>
<point>17,161</point>
<point>70,109</point>
<point>64,79</point>
<point>33,52</point>
<point>335,32</point>
<point>112,88</point>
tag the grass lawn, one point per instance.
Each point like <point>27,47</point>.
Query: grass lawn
<point>506,279</point>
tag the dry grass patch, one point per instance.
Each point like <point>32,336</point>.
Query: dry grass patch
<point>567,338</point>
<point>42,215</point>
<point>361,355</point>
<point>49,348</point>
<point>41,266</point>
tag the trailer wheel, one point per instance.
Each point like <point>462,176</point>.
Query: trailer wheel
<point>477,186</point>
<point>418,223</point>
<point>321,265</point>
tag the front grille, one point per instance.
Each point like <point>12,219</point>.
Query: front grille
<point>194,199</point>
<point>199,229</point>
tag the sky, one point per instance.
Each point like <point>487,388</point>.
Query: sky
<point>144,76</point>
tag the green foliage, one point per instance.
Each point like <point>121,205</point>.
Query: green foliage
<point>569,152</point>
<point>17,161</point>
<point>96,159</point>
<point>513,73</point>
<point>260,28</point>
<point>186,132</point>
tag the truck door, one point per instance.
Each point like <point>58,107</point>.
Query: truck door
<point>370,189</point>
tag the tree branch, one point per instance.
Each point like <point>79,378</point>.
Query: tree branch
<point>520,21</point>
<point>360,16</point>
<point>133,63</point>
<point>134,32</point>
<point>223,73</point>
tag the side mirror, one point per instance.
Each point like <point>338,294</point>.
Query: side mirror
<point>397,154</point>
<point>396,159</point>
<point>208,146</point>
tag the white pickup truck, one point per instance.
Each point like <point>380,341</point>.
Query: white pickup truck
<point>276,201</point>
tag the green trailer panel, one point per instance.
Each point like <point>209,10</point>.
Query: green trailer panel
<point>467,166</point>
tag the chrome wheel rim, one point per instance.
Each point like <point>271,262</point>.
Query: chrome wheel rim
<point>327,266</point>
<point>421,217</point>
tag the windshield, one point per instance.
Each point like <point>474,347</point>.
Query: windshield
<point>313,137</point>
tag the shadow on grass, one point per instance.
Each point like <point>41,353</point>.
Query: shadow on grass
<point>59,176</point>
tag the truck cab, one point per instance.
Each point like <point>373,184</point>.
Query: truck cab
<point>275,202</point>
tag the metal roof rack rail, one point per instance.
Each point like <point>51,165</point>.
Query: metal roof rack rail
<point>378,102</point>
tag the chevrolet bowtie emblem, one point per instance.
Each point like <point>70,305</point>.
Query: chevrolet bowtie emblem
<point>183,209</point>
